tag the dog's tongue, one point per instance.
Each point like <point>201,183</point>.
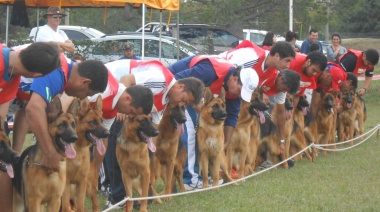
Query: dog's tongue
<point>288,115</point>
<point>151,145</point>
<point>304,111</point>
<point>70,151</point>
<point>180,129</point>
<point>348,105</point>
<point>10,170</point>
<point>262,117</point>
<point>100,146</point>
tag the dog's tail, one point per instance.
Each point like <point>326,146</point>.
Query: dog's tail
<point>17,180</point>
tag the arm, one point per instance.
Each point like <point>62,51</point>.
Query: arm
<point>330,54</point>
<point>305,48</point>
<point>232,109</point>
<point>228,130</point>
<point>67,46</point>
<point>315,99</point>
<point>36,114</point>
<point>366,84</point>
<point>128,80</point>
<point>281,125</point>
<point>4,109</point>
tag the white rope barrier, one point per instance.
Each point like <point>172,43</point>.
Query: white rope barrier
<point>318,146</point>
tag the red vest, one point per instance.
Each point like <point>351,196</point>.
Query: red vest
<point>269,83</point>
<point>221,67</point>
<point>169,77</point>
<point>360,68</point>
<point>7,89</point>
<point>112,87</point>
<point>306,82</point>
<point>261,53</point>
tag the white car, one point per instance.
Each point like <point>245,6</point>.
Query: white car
<point>75,32</point>
<point>111,48</point>
<point>257,36</point>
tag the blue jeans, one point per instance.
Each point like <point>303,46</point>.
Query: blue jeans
<point>113,169</point>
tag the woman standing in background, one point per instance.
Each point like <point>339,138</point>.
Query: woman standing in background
<point>335,49</point>
<point>269,40</point>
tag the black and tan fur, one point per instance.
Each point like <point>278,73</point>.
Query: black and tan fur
<point>166,157</point>
<point>210,137</point>
<point>325,120</point>
<point>33,183</point>
<point>7,155</point>
<point>241,152</point>
<point>133,156</point>
<point>90,130</point>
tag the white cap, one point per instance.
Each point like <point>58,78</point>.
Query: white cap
<point>250,80</point>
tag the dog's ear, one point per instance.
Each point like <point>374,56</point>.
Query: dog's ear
<point>207,95</point>
<point>99,103</point>
<point>222,94</point>
<point>84,107</point>
<point>74,108</point>
<point>54,109</point>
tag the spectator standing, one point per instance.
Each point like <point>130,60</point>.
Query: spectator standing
<point>335,50</point>
<point>269,40</point>
<point>129,52</point>
<point>50,31</point>
<point>291,37</point>
<point>313,38</point>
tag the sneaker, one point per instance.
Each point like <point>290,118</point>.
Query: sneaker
<point>194,186</point>
<point>109,204</point>
<point>234,174</point>
<point>211,181</point>
<point>266,164</point>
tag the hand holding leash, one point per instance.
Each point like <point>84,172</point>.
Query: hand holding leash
<point>362,91</point>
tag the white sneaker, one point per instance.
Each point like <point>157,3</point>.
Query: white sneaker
<point>194,186</point>
<point>211,181</point>
<point>109,205</point>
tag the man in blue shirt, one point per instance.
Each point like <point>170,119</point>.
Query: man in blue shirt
<point>313,38</point>
<point>129,53</point>
<point>216,73</point>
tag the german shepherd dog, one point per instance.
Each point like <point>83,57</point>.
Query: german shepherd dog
<point>90,130</point>
<point>35,185</point>
<point>133,156</point>
<point>269,135</point>
<point>237,152</point>
<point>325,120</point>
<point>171,127</point>
<point>7,155</point>
<point>210,137</point>
<point>297,139</point>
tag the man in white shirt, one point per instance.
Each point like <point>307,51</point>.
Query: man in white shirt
<point>50,31</point>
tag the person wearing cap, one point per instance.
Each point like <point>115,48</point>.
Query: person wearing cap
<point>332,80</point>
<point>358,63</point>
<point>217,73</point>
<point>129,52</point>
<point>50,31</point>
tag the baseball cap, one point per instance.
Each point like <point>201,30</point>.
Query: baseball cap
<point>53,11</point>
<point>338,75</point>
<point>250,80</point>
<point>128,46</point>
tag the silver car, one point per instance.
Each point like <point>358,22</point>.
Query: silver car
<point>110,48</point>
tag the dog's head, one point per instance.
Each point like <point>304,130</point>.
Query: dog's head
<point>90,123</point>
<point>288,106</point>
<point>177,117</point>
<point>303,104</point>
<point>62,126</point>
<point>215,106</point>
<point>347,99</point>
<point>140,128</point>
<point>328,102</point>
<point>257,106</point>
<point>7,155</point>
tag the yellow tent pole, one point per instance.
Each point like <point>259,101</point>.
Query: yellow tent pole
<point>170,15</point>
<point>105,16</point>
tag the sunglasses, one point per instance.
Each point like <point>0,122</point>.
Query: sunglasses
<point>57,16</point>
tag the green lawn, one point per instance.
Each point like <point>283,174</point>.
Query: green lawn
<point>341,181</point>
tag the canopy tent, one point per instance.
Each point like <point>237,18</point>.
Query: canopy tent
<point>157,4</point>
